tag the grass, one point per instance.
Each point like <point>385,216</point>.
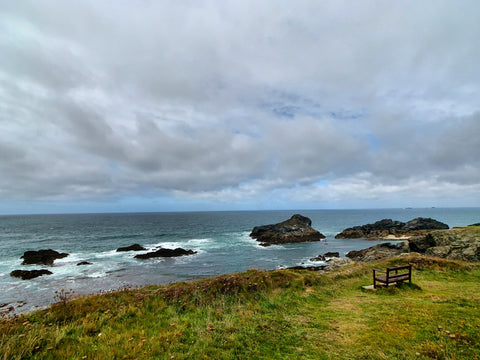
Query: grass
<point>281,314</point>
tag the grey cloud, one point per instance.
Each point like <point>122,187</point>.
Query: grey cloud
<point>238,99</point>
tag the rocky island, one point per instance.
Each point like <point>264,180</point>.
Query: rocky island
<point>387,228</point>
<point>296,229</point>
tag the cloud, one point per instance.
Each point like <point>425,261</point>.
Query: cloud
<point>313,102</point>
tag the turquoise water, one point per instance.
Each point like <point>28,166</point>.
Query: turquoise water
<point>221,239</point>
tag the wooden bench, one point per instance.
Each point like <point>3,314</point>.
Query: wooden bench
<point>393,275</point>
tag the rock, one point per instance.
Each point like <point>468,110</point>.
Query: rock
<point>318,258</point>
<point>387,228</point>
<point>41,257</point>
<point>377,252</point>
<point>84,263</point>
<point>422,243</point>
<point>476,224</point>
<point>297,229</point>
<point>332,254</point>
<point>310,268</point>
<point>162,252</point>
<point>425,224</point>
<point>336,262</point>
<point>380,228</point>
<point>29,274</point>
<point>134,247</point>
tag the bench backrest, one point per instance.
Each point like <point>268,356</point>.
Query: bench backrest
<point>409,267</point>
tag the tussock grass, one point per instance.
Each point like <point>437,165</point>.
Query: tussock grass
<point>282,314</point>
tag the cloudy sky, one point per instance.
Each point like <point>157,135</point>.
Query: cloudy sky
<point>211,105</point>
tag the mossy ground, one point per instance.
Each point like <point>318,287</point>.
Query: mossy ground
<point>281,314</point>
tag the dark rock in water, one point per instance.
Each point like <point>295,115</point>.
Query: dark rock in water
<point>387,227</point>
<point>134,247</point>
<point>476,224</point>
<point>318,258</point>
<point>297,229</point>
<point>41,257</point>
<point>162,252</point>
<point>84,263</point>
<point>29,274</point>
<point>425,224</point>
<point>332,254</point>
<point>383,227</point>
<point>377,252</point>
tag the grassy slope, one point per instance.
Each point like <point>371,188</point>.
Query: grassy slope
<point>269,315</point>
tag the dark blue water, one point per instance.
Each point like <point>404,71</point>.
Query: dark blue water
<point>221,239</point>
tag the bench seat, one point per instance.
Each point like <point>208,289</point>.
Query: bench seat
<point>393,275</point>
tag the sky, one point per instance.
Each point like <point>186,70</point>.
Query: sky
<point>119,106</point>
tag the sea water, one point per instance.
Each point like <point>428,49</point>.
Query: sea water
<point>221,240</point>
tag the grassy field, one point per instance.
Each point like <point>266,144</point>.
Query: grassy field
<point>280,314</point>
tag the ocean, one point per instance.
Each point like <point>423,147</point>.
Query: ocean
<point>221,240</point>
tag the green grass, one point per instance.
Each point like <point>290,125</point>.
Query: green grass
<point>280,314</point>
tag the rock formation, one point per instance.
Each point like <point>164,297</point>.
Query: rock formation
<point>296,229</point>
<point>41,257</point>
<point>388,228</point>
<point>162,252</point>
<point>377,252</point>
<point>29,274</point>
<point>134,247</point>
<point>454,244</point>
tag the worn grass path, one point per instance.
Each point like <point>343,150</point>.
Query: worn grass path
<point>279,314</point>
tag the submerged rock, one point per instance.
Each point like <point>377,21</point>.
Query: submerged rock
<point>41,257</point>
<point>29,274</point>
<point>388,228</point>
<point>162,252</point>
<point>134,247</point>
<point>296,229</point>
<point>84,263</point>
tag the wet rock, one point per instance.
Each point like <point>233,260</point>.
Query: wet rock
<point>318,258</point>
<point>296,229</point>
<point>41,257</point>
<point>331,254</point>
<point>134,247</point>
<point>29,274</point>
<point>84,263</point>
<point>162,252</point>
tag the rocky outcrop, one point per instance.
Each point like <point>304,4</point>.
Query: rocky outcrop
<point>379,251</point>
<point>296,229</point>
<point>455,244</point>
<point>388,228</point>
<point>134,247</point>
<point>29,274</point>
<point>335,263</point>
<point>162,252</point>
<point>41,257</point>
